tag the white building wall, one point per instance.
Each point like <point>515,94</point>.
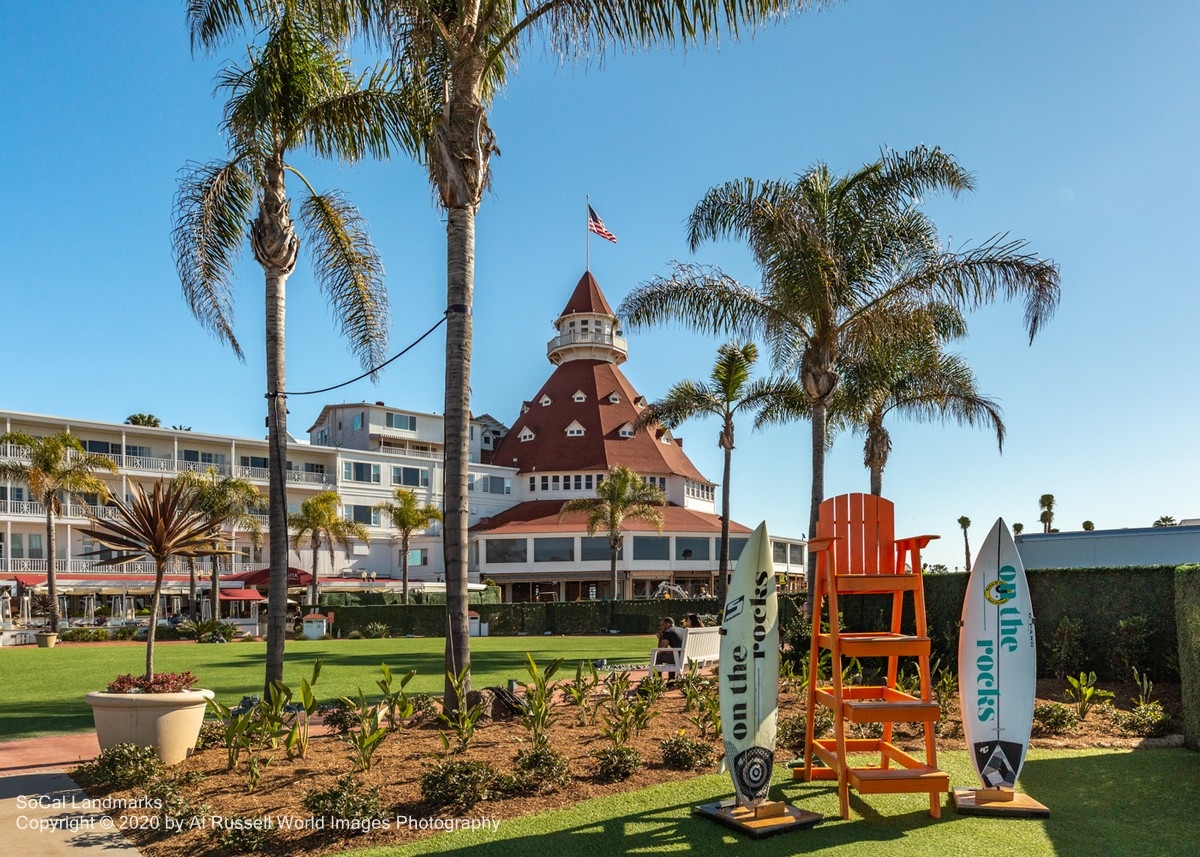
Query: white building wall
<point>1110,548</point>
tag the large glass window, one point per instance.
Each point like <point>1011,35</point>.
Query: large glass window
<point>597,549</point>
<point>554,550</point>
<point>253,461</point>
<point>418,556</point>
<point>355,471</point>
<point>505,550</point>
<point>796,552</point>
<point>357,422</point>
<point>779,552</point>
<point>691,548</point>
<point>363,515</point>
<point>735,547</point>
<point>412,477</point>
<point>404,422</point>
<point>651,547</point>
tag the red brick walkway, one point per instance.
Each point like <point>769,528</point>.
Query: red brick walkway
<point>51,753</point>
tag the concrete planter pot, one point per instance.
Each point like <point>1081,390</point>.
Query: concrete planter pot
<point>46,640</point>
<point>168,722</point>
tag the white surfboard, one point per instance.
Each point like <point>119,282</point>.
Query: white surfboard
<point>749,670</point>
<point>997,661</point>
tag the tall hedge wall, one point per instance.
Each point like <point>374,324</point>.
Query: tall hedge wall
<point>1098,599</point>
<point>1187,620</point>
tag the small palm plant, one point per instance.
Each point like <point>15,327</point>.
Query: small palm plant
<point>168,522</point>
<point>320,520</point>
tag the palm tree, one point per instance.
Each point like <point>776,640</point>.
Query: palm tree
<point>408,515</point>
<point>297,91</point>
<point>1018,529</point>
<point>322,522</point>
<point>147,420</point>
<point>1166,521</point>
<point>728,391</point>
<point>1046,504</point>
<point>1088,526</point>
<point>965,523</point>
<point>164,524</point>
<point>915,379</point>
<point>846,262</point>
<point>454,58</point>
<point>234,500</point>
<point>621,494</point>
<point>54,466</point>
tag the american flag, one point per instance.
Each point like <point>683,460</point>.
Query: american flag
<point>595,224</point>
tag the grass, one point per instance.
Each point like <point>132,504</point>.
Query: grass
<point>44,688</point>
<point>1101,802</point>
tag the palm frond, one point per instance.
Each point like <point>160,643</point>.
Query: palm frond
<point>212,209</point>
<point>702,299</point>
<point>350,273</point>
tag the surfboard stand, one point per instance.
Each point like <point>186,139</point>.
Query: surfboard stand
<point>767,819</point>
<point>998,803</point>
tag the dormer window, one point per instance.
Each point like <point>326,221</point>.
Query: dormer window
<point>640,401</point>
<point>614,398</point>
<point>626,430</point>
<point>544,400</point>
<point>579,397</point>
<point>526,435</point>
<point>575,429</point>
<point>524,408</point>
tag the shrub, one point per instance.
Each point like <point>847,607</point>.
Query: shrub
<point>348,799</point>
<point>1146,720</point>
<point>681,753</point>
<point>165,793</point>
<point>84,635</point>
<point>207,631</point>
<point>424,708</point>
<point>457,784</point>
<point>376,630</point>
<point>241,834</point>
<point>123,766</point>
<point>212,734</point>
<point>614,764</point>
<point>1053,718</point>
<point>355,635</point>
<point>157,683</point>
<point>1064,648</point>
<point>1130,643</point>
<point>1083,693</point>
<point>790,731</point>
<point>539,769</point>
<point>341,715</point>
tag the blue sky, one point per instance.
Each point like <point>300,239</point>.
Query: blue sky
<point>1079,120</point>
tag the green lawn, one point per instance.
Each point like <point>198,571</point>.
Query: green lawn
<point>43,688</point>
<point>1101,802</point>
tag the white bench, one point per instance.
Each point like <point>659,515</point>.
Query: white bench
<point>701,646</point>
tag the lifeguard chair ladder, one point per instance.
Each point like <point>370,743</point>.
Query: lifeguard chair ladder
<point>856,554</point>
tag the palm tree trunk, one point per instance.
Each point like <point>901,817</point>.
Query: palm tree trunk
<point>191,561</point>
<point>312,589</point>
<point>723,560</point>
<point>460,271</point>
<point>216,589</point>
<point>404,541</point>
<point>275,248</point>
<point>614,547</point>
<point>51,575</point>
<point>159,568</point>
<point>967,549</point>
<point>818,490</point>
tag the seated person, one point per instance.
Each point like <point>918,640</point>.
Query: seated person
<point>669,637</point>
<point>693,621</point>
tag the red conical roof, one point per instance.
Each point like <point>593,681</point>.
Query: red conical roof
<point>587,297</point>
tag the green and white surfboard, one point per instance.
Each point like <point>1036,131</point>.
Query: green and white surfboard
<point>749,677</point>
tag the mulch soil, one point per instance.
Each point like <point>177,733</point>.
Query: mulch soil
<point>406,754</point>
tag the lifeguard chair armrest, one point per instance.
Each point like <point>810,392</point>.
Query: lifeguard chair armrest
<point>824,543</point>
<point>920,541</point>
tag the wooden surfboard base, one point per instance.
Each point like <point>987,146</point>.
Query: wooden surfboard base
<point>998,803</point>
<point>769,819</point>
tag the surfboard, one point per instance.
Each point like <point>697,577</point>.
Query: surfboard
<point>749,670</point>
<point>997,661</point>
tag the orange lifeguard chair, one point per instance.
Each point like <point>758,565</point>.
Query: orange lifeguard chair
<point>856,553</point>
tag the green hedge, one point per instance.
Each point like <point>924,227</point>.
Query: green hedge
<point>1187,619</point>
<point>1098,599</point>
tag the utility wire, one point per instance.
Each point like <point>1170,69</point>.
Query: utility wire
<point>374,369</point>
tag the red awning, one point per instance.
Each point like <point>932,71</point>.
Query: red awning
<point>240,595</point>
<point>30,579</point>
<point>262,576</point>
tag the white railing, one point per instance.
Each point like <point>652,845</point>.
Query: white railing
<point>141,566</point>
<point>412,453</point>
<point>591,337</point>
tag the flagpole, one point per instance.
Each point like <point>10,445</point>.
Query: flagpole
<point>587,235</point>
